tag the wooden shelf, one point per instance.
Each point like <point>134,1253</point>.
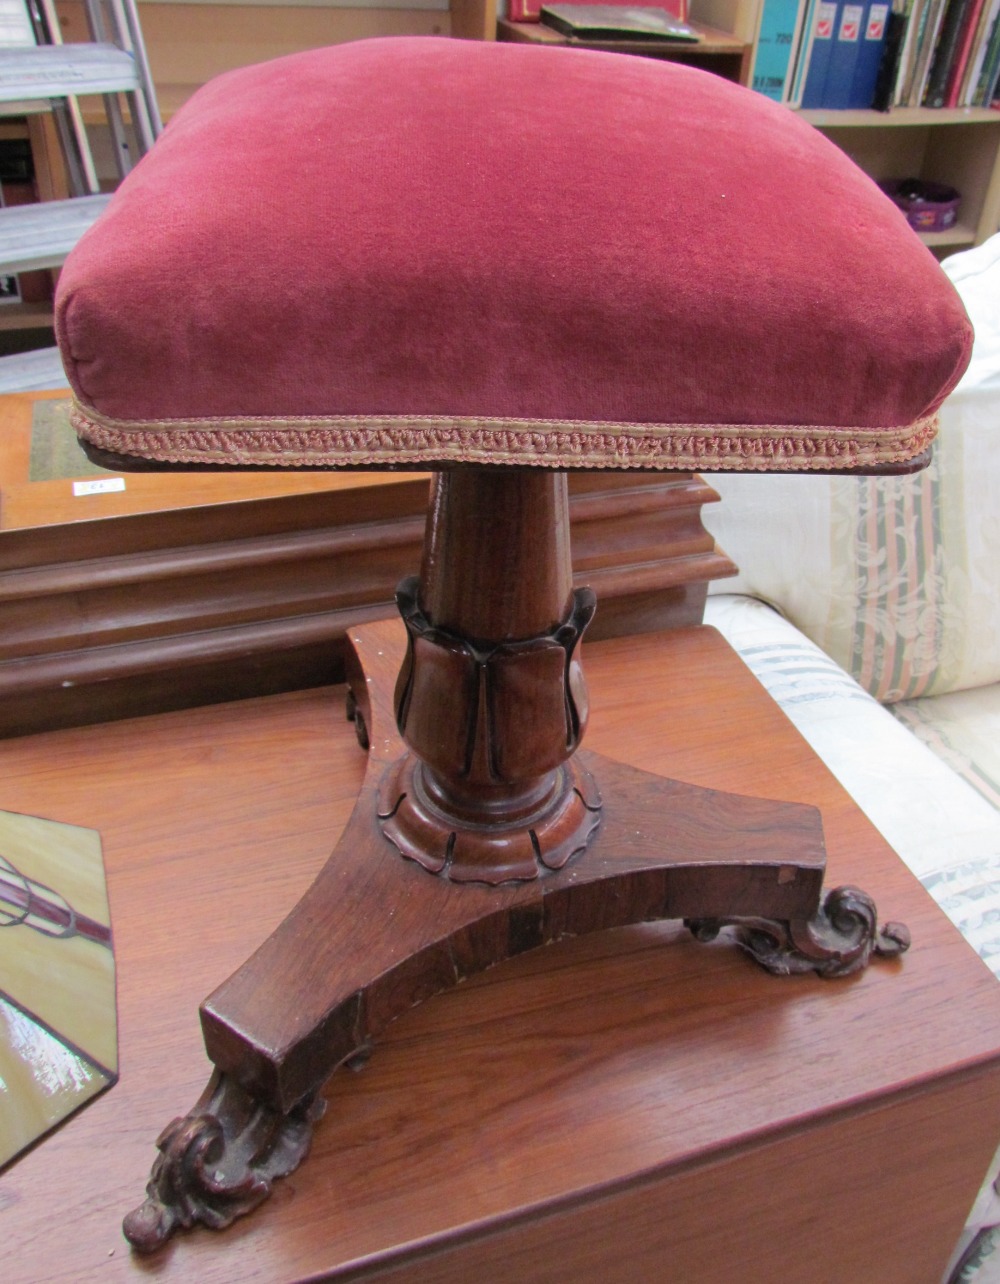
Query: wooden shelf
<point>900,117</point>
<point>957,146</point>
<point>961,236</point>
<point>717,51</point>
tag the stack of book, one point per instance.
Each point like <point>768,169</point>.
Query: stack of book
<point>908,53</point>
<point>596,22</point>
<point>530,10</point>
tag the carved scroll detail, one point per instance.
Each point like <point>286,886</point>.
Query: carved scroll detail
<point>219,1162</point>
<point>838,940</point>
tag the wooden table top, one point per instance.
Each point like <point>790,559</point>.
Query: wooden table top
<point>589,1067</point>
<point>27,504</point>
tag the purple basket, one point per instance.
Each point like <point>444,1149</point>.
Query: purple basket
<point>929,207</point>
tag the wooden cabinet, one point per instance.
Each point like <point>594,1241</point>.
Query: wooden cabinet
<point>167,589</point>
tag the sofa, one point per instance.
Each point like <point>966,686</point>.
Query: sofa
<point>870,610</point>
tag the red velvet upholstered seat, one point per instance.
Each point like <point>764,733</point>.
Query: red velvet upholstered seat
<point>419,251</point>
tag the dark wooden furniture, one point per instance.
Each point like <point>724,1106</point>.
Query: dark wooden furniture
<point>630,1105</point>
<point>717,51</point>
<point>506,839</point>
<point>482,830</point>
<point>192,588</point>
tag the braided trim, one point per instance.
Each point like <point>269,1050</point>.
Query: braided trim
<point>380,440</point>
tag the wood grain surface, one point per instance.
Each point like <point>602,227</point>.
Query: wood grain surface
<point>632,1106</point>
<point>192,588</point>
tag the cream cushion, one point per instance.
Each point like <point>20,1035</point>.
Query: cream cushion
<point>896,578</point>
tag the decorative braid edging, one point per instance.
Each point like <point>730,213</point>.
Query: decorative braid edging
<point>419,441</point>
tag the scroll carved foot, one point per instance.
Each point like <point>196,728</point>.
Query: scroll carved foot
<point>219,1162</point>
<point>837,941</point>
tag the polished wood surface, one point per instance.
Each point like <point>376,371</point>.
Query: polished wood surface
<point>374,936</point>
<point>193,588</point>
<point>490,699</point>
<point>27,504</point>
<point>496,562</point>
<point>630,1106</point>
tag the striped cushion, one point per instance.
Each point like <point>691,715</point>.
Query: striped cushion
<point>896,578</point>
<point>963,729</point>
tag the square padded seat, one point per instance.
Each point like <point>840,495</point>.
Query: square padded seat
<point>418,251</point>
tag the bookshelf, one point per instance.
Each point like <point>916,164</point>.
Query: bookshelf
<point>958,146</point>
<point>955,145</point>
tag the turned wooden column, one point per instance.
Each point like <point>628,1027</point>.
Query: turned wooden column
<point>490,699</point>
<point>496,561</point>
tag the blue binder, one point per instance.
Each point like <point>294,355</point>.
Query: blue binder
<point>870,51</point>
<point>825,26</point>
<point>844,54</point>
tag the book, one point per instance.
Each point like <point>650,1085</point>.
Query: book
<point>530,10</point>
<point>963,53</point>
<point>925,51</point>
<point>819,59</point>
<point>610,22</point>
<point>917,19</point>
<point>986,86</point>
<point>890,67</point>
<point>977,57</point>
<point>844,55</point>
<point>945,53</point>
<point>803,53</point>
<point>778,30</point>
<point>875,26</point>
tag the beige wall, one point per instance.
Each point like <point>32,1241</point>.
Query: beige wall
<point>189,43</point>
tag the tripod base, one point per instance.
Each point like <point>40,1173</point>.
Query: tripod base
<point>377,934</point>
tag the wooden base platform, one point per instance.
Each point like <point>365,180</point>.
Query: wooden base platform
<point>631,1106</point>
